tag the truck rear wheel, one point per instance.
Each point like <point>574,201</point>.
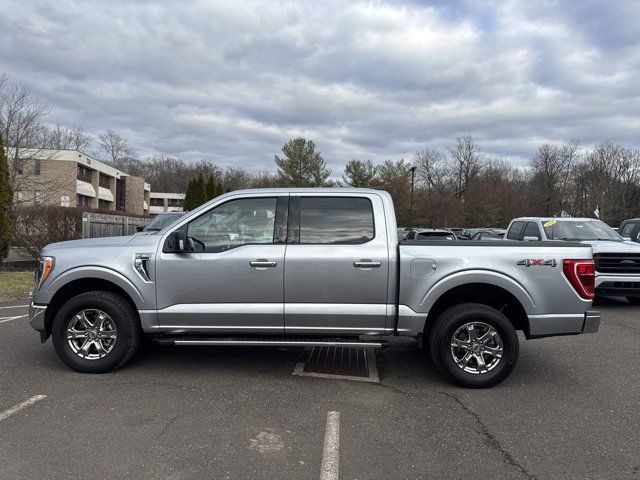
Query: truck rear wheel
<point>96,332</point>
<point>473,345</point>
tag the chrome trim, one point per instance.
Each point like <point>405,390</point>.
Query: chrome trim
<point>36,316</point>
<point>140,264</point>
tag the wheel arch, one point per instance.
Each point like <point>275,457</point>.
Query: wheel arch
<point>78,286</point>
<point>489,294</point>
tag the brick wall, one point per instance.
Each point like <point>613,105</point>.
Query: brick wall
<point>134,195</point>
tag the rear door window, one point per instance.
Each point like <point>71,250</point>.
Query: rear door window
<point>627,230</point>
<point>336,220</point>
<point>532,230</point>
<point>515,232</point>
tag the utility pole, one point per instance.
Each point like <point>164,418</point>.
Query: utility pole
<point>413,176</point>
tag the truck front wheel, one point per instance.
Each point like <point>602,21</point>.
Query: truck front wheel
<point>473,345</point>
<point>96,332</point>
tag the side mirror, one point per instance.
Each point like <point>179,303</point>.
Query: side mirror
<point>139,228</point>
<point>176,242</point>
<point>531,239</point>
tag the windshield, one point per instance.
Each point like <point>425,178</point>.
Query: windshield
<point>579,230</point>
<point>161,221</point>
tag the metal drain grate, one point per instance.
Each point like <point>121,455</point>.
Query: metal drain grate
<point>352,363</point>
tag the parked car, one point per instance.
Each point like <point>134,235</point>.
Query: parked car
<point>160,221</point>
<point>430,234</point>
<point>617,262</point>
<point>487,235</point>
<point>328,271</point>
<point>630,230</point>
<point>457,231</point>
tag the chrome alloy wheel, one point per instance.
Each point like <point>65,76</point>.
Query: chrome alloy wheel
<point>91,334</point>
<point>476,347</point>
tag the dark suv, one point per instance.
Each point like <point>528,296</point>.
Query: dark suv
<point>630,230</point>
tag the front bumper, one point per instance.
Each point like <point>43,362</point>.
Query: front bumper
<point>563,324</point>
<point>618,285</point>
<point>36,316</point>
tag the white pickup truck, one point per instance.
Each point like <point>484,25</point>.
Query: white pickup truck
<point>309,267</point>
<point>617,261</point>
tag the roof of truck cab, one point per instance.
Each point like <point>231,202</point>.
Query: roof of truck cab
<point>311,190</point>
<point>558,219</point>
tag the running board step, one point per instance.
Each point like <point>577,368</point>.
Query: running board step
<point>268,342</point>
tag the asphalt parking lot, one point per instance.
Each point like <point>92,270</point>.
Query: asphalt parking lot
<point>570,410</point>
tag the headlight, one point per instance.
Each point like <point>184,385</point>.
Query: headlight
<point>44,269</point>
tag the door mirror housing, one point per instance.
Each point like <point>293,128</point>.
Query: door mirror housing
<point>139,228</point>
<point>176,242</point>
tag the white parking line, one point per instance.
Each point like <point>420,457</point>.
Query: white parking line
<point>8,319</point>
<point>20,406</point>
<point>15,306</point>
<point>330,453</point>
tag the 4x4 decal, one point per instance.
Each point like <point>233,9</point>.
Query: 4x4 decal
<point>537,262</point>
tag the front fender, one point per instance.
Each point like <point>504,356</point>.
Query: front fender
<point>44,296</point>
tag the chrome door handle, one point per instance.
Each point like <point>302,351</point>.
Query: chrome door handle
<point>366,263</point>
<point>262,263</point>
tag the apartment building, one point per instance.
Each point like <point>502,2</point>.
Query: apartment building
<point>161,202</point>
<point>73,179</point>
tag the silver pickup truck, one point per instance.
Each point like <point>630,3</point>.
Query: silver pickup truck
<point>309,267</point>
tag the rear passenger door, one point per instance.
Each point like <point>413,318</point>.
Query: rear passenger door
<point>515,230</point>
<point>336,265</point>
<point>532,231</point>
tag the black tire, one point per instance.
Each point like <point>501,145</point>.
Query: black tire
<point>633,300</point>
<point>442,334</point>
<point>123,316</point>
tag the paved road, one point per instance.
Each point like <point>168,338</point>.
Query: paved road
<point>570,410</point>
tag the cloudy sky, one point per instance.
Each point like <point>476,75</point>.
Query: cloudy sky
<point>232,81</point>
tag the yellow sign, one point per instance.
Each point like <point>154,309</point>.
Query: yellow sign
<point>550,223</point>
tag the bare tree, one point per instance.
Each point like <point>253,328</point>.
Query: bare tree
<point>467,161</point>
<point>25,135</point>
<point>115,147</point>
<point>552,167</point>
<point>74,138</point>
<point>433,170</point>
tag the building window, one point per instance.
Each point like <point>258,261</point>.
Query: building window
<point>83,200</point>
<point>175,202</point>
<point>84,174</point>
<point>37,166</point>
<point>104,181</point>
<point>157,202</point>
<point>19,197</point>
<point>36,198</point>
<point>104,204</point>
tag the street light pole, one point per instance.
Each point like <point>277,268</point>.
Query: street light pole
<point>413,175</point>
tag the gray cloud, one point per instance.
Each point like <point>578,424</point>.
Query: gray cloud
<point>232,81</point>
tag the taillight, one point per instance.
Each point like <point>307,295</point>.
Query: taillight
<point>582,276</point>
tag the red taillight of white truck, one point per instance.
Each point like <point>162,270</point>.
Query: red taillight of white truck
<point>582,276</point>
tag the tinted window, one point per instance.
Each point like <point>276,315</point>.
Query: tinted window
<point>532,230</point>
<point>515,232</point>
<point>238,222</point>
<point>627,230</point>
<point>336,220</point>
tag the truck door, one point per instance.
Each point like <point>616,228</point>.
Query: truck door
<point>336,265</point>
<point>231,277</point>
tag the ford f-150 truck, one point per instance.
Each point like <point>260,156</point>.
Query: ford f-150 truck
<point>617,261</point>
<point>309,267</point>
